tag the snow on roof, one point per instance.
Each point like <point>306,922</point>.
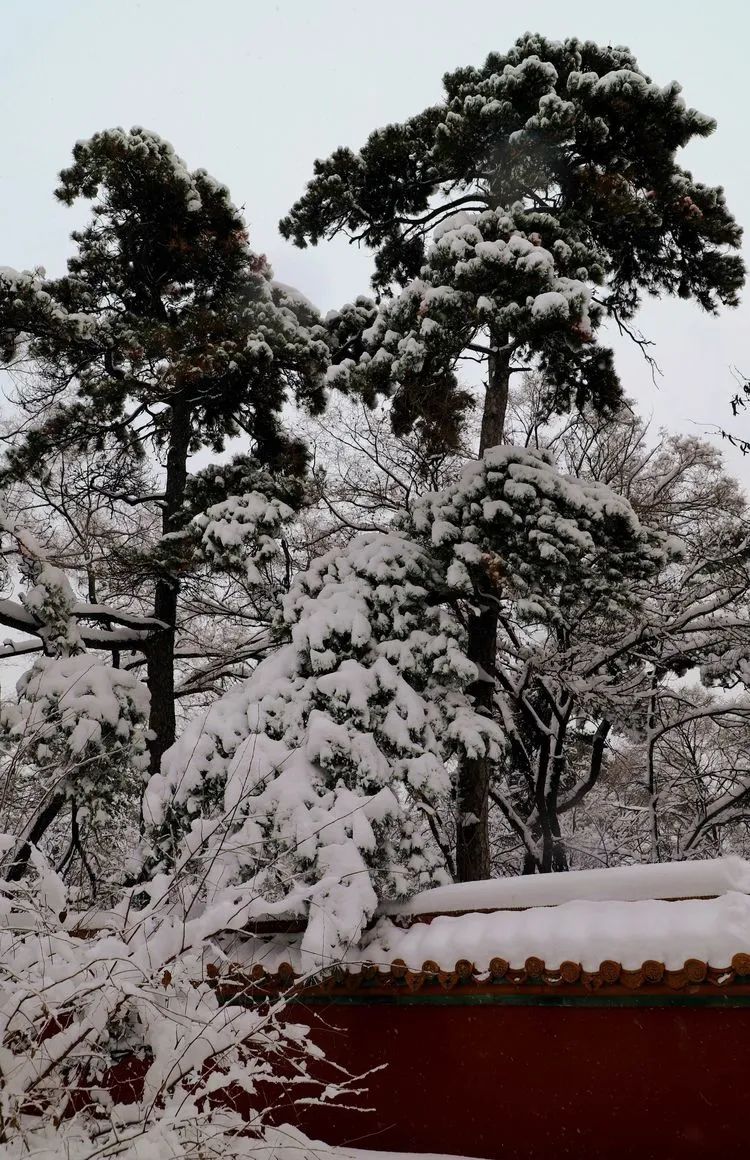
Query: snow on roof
<point>713,932</point>
<point>666,914</point>
<point>617,884</point>
<point>584,932</point>
<point>589,917</point>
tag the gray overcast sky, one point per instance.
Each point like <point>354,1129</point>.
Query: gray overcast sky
<point>254,90</point>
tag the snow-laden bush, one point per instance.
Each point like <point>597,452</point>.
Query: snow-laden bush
<point>74,744</point>
<point>79,709</point>
<point>300,778</point>
<point>327,780</point>
<point>136,1000</point>
<point>541,542</point>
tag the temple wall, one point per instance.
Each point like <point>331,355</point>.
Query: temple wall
<point>532,1079</point>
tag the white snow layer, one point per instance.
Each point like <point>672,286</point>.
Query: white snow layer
<point>630,933</point>
<point>618,884</point>
<point>587,916</point>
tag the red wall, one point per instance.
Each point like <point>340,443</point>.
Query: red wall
<point>510,1082</point>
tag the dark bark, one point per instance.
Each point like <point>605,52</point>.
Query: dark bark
<point>595,768</point>
<point>472,837</point>
<point>554,855</point>
<point>551,855</point>
<point>42,823</point>
<point>496,396</point>
<point>551,852</point>
<point>474,773</point>
<point>653,795</point>
<point>160,658</point>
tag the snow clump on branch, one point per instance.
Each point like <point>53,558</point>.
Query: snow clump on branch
<point>294,786</point>
<point>323,784</point>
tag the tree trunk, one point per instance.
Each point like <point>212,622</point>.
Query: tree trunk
<point>554,859</point>
<point>653,789</point>
<point>161,649</point>
<point>472,841</point>
<point>496,396</point>
<point>39,827</point>
<point>554,854</point>
<point>530,863</point>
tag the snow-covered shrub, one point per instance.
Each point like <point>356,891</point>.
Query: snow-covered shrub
<point>240,510</point>
<point>243,529</point>
<point>79,710</point>
<point>327,779</point>
<point>119,1044</point>
<point>296,783</point>
<point>75,755</point>
<point>74,742</point>
<point>50,600</point>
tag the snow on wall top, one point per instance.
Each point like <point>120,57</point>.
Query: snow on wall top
<point>712,931</point>
<point>586,917</point>
<point>668,880</point>
<point>589,933</point>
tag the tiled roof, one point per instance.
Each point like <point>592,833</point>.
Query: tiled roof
<point>397,978</point>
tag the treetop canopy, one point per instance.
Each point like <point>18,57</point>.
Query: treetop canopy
<point>567,147</point>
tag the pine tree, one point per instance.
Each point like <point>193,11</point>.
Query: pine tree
<point>508,223</point>
<point>168,334</point>
<point>560,553</point>
<point>322,783</point>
